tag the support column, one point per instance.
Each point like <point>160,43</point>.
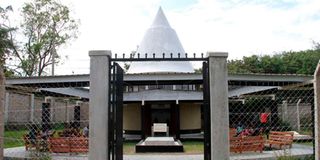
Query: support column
<point>298,115</point>
<point>2,97</point>
<point>143,122</point>
<point>31,107</point>
<point>99,104</point>
<point>284,110</point>
<point>67,111</point>
<point>177,111</point>
<point>219,112</point>
<point>6,109</point>
<point>317,111</point>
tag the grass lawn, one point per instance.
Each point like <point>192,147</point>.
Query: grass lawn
<point>190,147</point>
<point>14,138</point>
<point>129,147</point>
<point>193,147</point>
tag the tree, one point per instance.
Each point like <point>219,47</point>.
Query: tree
<point>46,26</point>
<point>301,62</point>
<point>198,70</point>
<point>316,45</point>
<point>126,67</point>
<point>5,43</point>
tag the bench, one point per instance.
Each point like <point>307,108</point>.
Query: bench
<point>160,127</point>
<point>79,144</point>
<point>69,145</point>
<point>280,139</point>
<point>248,143</point>
<point>59,145</point>
<point>28,142</point>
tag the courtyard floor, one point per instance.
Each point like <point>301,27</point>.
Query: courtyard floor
<point>296,150</point>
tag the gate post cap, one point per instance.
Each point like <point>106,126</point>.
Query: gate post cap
<point>217,54</point>
<point>100,53</point>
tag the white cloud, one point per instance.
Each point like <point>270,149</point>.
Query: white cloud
<point>240,27</point>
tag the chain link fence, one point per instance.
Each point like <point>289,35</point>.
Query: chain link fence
<point>52,121</point>
<point>273,120</point>
<point>43,122</point>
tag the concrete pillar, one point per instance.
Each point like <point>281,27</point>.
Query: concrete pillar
<point>2,97</point>
<point>219,109</point>
<point>6,107</point>
<point>298,115</point>
<point>66,101</point>
<point>317,110</point>
<point>31,107</point>
<point>99,104</point>
<point>284,110</point>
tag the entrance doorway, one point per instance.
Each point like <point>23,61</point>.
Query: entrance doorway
<point>166,112</point>
<point>160,113</point>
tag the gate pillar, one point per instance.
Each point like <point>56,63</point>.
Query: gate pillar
<point>98,105</point>
<point>219,110</point>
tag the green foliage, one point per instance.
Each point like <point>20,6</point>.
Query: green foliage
<point>126,66</point>
<point>46,26</point>
<point>302,62</point>
<point>5,42</point>
<point>199,70</point>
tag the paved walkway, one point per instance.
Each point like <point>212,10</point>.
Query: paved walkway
<point>296,150</point>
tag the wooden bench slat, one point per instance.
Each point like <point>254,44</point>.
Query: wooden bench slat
<point>68,144</point>
<point>250,143</point>
<point>280,138</point>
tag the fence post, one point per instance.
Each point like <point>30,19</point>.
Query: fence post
<point>317,111</point>
<point>99,104</point>
<point>219,109</point>
<point>2,96</point>
<point>77,114</point>
<point>6,107</point>
<point>31,107</point>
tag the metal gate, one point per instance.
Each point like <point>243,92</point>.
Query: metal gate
<point>116,101</point>
<point>115,112</point>
<point>206,111</point>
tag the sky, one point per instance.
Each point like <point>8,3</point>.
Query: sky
<point>239,27</point>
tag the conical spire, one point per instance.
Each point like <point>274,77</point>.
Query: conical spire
<point>160,38</point>
<point>160,20</point>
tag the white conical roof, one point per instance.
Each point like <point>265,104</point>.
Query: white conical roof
<point>160,38</point>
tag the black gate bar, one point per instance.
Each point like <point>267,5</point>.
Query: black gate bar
<point>206,111</point>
